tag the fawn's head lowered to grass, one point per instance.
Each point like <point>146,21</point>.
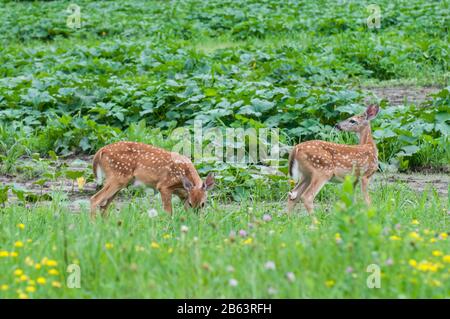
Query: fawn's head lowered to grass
<point>197,195</point>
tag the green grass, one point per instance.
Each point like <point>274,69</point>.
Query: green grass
<point>132,255</point>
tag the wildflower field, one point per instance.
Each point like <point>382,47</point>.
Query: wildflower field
<point>75,76</point>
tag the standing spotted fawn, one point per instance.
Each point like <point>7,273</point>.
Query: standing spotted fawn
<point>168,172</point>
<point>317,162</point>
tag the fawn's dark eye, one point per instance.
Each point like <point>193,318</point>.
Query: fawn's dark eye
<point>352,121</point>
<point>203,205</point>
<point>190,204</point>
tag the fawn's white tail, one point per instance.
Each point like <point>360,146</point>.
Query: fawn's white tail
<point>98,172</point>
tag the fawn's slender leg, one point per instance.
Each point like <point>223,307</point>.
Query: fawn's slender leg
<point>295,194</point>
<point>104,208</point>
<point>364,190</point>
<point>166,197</point>
<point>105,196</point>
<point>316,184</point>
<point>97,196</point>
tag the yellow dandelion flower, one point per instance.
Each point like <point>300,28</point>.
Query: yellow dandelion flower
<point>18,272</point>
<point>154,245</point>
<point>166,236</point>
<point>109,246</point>
<point>248,241</point>
<point>412,263</point>
<point>81,181</point>
<point>38,266</point>
<point>23,278</point>
<point>14,254</point>
<point>56,284</point>
<point>51,263</point>
<point>53,272</point>
<point>446,259</point>
<point>443,235</point>
<point>427,266</point>
<point>330,283</point>
<point>415,222</point>
<point>432,240</point>
<point>415,235</point>
<point>437,253</point>
<point>21,226</point>
<point>44,260</point>
<point>4,253</point>
<point>4,287</point>
<point>41,280</point>
<point>394,238</point>
<point>18,244</point>
<point>30,289</point>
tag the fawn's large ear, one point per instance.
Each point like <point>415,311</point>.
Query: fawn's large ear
<point>372,111</point>
<point>209,182</point>
<point>186,183</point>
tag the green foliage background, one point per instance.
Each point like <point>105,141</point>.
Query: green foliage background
<point>296,65</point>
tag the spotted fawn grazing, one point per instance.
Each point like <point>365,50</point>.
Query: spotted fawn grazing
<point>168,172</point>
<point>313,163</point>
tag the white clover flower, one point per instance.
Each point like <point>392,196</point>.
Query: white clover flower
<point>270,265</point>
<point>152,213</point>
<point>184,229</point>
<point>290,276</point>
<point>233,282</point>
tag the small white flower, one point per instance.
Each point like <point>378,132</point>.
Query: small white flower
<point>290,276</point>
<point>270,265</point>
<point>184,229</point>
<point>152,213</point>
<point>195,239</point>
<point>233,282</point>
<point>271,291</point>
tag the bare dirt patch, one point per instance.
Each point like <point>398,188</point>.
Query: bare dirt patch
<point>421,183</point>
<point>399,95</point>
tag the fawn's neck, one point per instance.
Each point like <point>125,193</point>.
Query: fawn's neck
<point>365,136</point>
